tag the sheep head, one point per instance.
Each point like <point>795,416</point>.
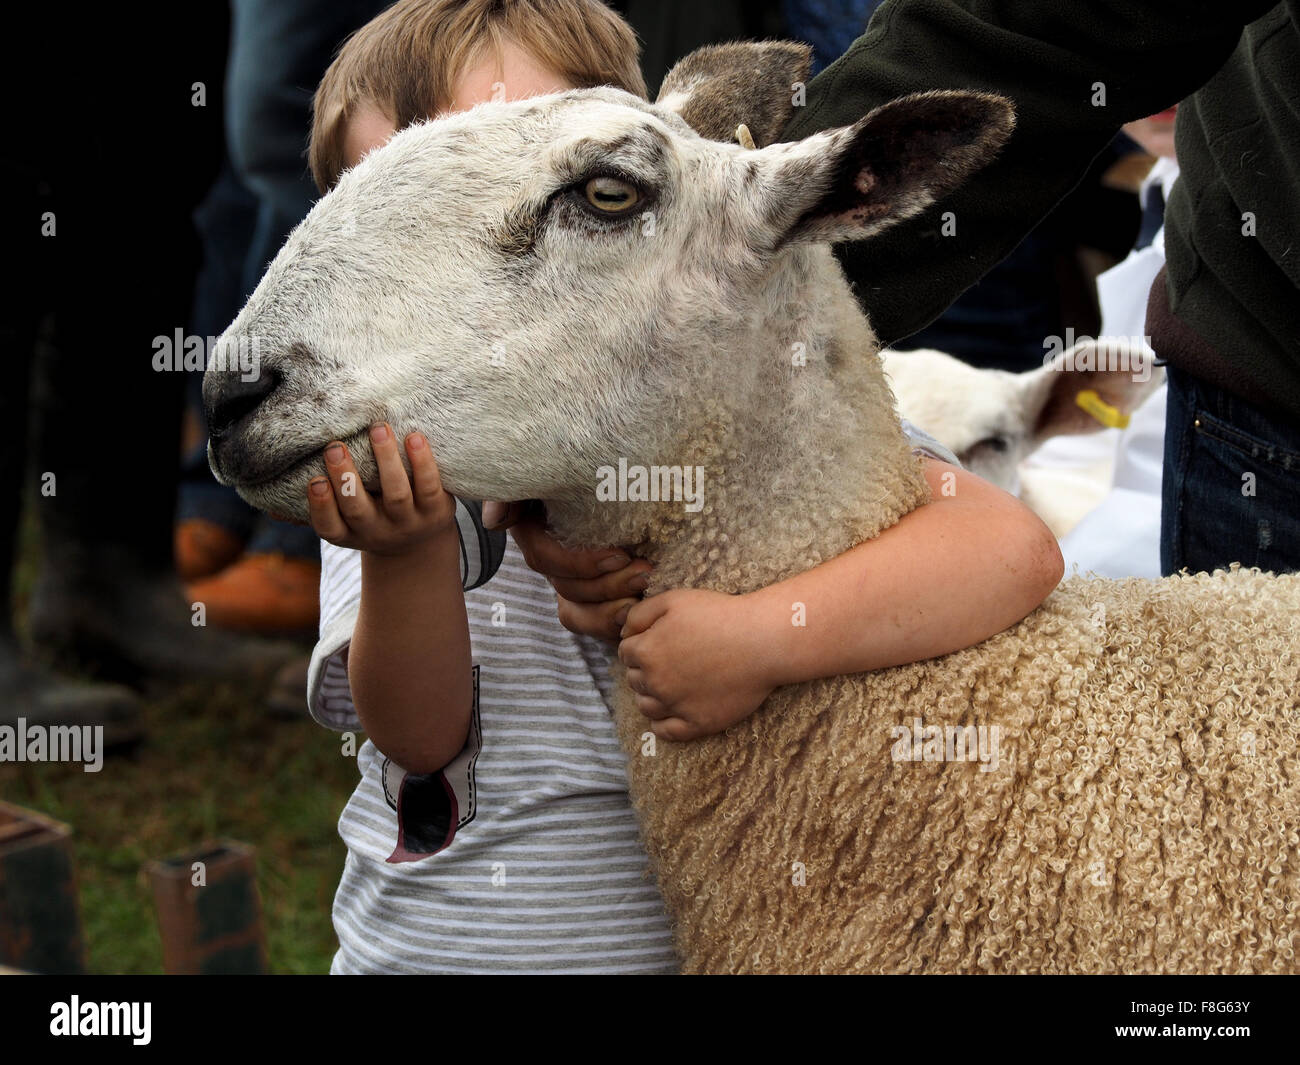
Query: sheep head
<point>544,286</point>
<point>994,419</point>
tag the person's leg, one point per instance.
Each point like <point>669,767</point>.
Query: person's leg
<point>1173,477</point>
<point>107,599</point>
<point>1231,487</point>
<point>26,200</point>
<point>123,268</point>
<point>279,50</point>
<point>213,524</point>
<point>30,693</point>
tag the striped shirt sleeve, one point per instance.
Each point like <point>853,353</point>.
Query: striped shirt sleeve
<point>924,444</point>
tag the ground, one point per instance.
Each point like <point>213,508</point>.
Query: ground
<point>213,766</point>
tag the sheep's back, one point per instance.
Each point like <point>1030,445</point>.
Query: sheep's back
<point>1143,816</point>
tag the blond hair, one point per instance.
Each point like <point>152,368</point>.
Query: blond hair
<point>406,60</point>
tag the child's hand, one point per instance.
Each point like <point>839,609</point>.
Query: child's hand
<point>694,661</point>
<point>595,588</point>
<point>411,510</point>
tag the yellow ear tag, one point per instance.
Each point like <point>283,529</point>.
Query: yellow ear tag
<point>1111,417</point>
<point>744,137</point>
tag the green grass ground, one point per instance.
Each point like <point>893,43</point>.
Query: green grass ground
<point>213,765</point>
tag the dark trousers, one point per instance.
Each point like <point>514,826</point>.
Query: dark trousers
<point>104,164</point>
<point>1231,489</point>
<point>279,50</point>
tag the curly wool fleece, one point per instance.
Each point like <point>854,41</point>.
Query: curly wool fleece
<point>1142,816</point>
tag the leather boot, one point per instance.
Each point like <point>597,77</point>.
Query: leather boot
<point>116,622</point>
<point>40,697</point>
<point>203,548</point>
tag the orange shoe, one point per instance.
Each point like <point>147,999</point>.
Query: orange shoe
<point>262,593</point>
<point>203,548</point>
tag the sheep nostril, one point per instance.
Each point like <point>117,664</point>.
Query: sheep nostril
<point>236,398</point>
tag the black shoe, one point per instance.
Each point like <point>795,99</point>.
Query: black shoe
<point>136,628</point>
<point>36,696</point>
<point>287,698</point>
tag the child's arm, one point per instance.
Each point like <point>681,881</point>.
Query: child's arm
<point>951,573</point>
<point>948,575</point>
<point>409,664</point>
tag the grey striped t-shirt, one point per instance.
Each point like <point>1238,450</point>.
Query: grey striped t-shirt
<point>523,854</point>
<point>543,870</point>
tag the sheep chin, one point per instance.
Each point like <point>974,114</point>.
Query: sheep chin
<point>285,497</point>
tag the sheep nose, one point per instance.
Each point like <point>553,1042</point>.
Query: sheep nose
<point>233,397</point>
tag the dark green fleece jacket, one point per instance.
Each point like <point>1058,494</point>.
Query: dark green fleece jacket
<point>1077,70</point>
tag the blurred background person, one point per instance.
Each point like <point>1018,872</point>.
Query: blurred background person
<point>113,146</point>
<point>1120,537</point>
<point>1222,315</point>
<point>255,573</point>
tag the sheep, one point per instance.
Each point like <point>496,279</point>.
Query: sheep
<point>1109,786</point>
<point>994,420</point>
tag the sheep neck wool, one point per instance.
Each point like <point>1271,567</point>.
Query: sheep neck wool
<point>1131,808</point>
<point>776,487</point>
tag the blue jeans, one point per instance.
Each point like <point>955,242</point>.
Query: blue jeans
<point>279,50</point>
<point>1231,486</point>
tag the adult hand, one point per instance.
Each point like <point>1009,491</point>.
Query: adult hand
<point>596,587</point>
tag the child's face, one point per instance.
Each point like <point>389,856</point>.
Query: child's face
<point>519,76</point>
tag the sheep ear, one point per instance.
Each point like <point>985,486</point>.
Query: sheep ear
<point>1117,370</point>
<point>717,88</point>
<point>905,155</point>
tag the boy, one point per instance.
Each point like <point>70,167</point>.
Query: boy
<point>500,778</point>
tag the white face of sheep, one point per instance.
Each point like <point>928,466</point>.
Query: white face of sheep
<point>543,286</point>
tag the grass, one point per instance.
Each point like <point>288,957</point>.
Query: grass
<point>213,765</point>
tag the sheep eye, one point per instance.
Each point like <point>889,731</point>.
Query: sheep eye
<point>611,195</point>
<point>994,443</point>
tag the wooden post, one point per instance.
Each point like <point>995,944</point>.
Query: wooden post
<point>40,925</point>
<point>209,911</point>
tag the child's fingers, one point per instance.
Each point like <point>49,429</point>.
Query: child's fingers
<point>394,484</point>
<point>652,708</point>
<point>426,480</point>
<point>354,502</point>
<point>601,620</point>
<point>644,614</point>
<point>637,681</point>
<point>498,515</point>
<point>546,555</point>
<point>677,729</point>
<point>626,583</point>
<point>632,652</point>
<point>324,511</point>
<point>627,653</point>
